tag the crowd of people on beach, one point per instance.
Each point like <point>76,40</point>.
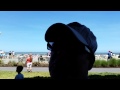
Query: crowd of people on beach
<point>10,55</point>
<point>13,55</point>
<point>2,54</point>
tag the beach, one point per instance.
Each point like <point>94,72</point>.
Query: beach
<point>46,57</point>
<point>23,57</point>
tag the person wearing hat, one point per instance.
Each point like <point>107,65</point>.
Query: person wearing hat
<point>72,50</point>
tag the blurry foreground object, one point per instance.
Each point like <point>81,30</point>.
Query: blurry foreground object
<point>72,49</point>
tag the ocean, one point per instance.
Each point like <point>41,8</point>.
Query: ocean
<point>103,53</point>
<point>45,53</point>
<point>38,53</point>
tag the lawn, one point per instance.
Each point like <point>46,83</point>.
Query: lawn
<point>11,74</point>
<point>39,75</point>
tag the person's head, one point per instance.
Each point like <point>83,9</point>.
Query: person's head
<point>19,69</point>
<point>71,57</point>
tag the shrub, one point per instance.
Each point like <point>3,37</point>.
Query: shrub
<point>44,64</point>
<point>12,63</point>
<point>97,63</point>
<point>118,62</point>
<point>35,64</point>
<point>112,62</point>
<point>40,64</point>
<point>1,63</point>
<point>104,63</point>
<point>20,64</point>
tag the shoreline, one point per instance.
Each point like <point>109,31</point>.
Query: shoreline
<point>96,53</point>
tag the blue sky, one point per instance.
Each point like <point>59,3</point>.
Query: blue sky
<point>23,31</point>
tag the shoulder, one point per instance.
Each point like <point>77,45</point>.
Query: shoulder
<point>16,77</point>
<point>19,76</point>
<point>22,75</point>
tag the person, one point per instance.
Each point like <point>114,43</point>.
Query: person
<point>72,49</point>
<point>40,58</point>
<point>10,54</point>
<point>13,53</point>
<point>19,70</point>
<point>29,62</point>
<point>109,55</point>
<point>1,56</point>
<point>4,56</point>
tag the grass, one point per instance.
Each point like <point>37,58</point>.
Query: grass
<point>11,74</point>
<point>103,73</point>
<point>42,75</point>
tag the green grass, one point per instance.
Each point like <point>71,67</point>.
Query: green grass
<point>11,74</point>
<point>42,75</point>
<point>103,73</point>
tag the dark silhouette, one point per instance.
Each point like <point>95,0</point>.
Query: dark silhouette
<point>72,49</point>
<point>19,70</point>
<point>90,77</point>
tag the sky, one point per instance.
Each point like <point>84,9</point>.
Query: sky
<point>23,31</point>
